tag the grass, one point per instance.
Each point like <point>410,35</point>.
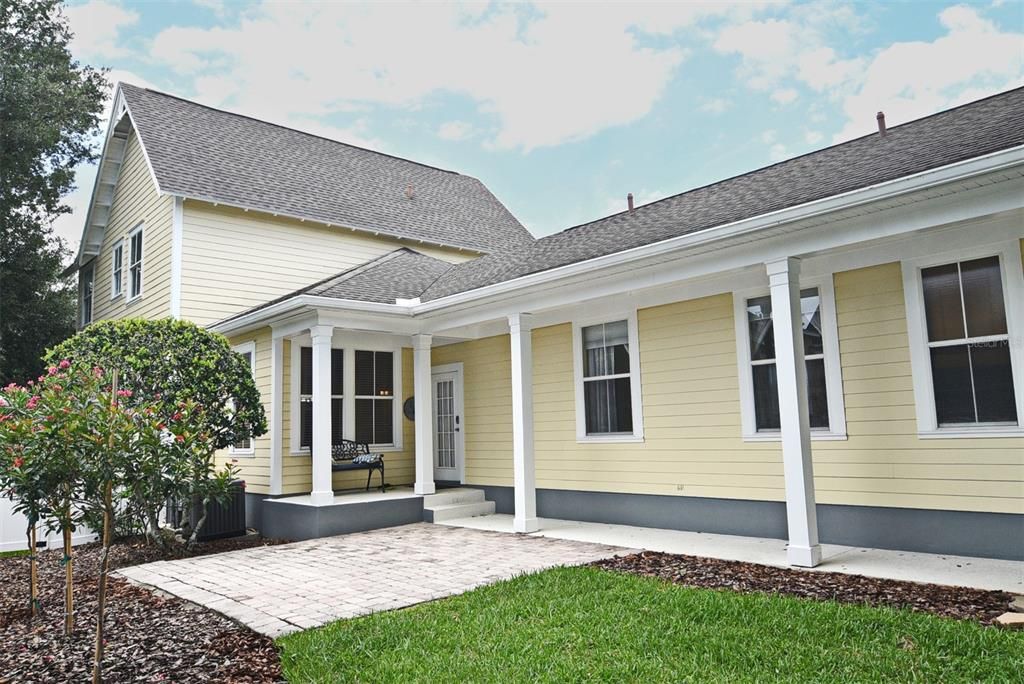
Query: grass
<point>13,554</point>
<point>586,624</point>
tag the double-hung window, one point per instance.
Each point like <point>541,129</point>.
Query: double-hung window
<point>248,352</point>
<point>607,381</point>
<point>135,263</point>
<point>759,372</point>
<point>87,291</point>
<point>375,397</point>
<point>306,396</point>
<point>116,269</point>
<point>968,344</point>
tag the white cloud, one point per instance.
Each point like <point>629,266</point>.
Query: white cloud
<point>913,79</point>
<point>714,105</point>
<point>785,96</point>
<point>778,152</point>
<point>813,137</point>
<point>97,26</point>
<point>769,136</point>
<point>534,70</point>
<point>455,130</point>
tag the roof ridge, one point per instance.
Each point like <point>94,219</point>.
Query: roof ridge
<point>293,130</point>
<point>352,272</point>
<point>786,161</point>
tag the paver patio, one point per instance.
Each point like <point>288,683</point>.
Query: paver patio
<point>279,589</point>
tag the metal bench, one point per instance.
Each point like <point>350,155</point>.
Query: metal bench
<point>351,455</point>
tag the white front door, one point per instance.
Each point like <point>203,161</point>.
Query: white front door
<point>448,436</point>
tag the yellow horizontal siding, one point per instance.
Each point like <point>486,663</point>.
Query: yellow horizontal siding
<point>234,260</point>
<point>136,201</point>
<point>693,443</point>
<point>487,406</point>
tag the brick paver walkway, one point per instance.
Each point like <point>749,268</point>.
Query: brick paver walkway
<point>280,589</point>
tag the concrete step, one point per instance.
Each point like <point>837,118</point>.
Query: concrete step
<point>458,510</point>
<point>446,497</point>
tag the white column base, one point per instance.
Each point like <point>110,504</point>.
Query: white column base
<point>321,498</point>
<point>803,556</point>
<point>525,525</point>
<point>424,488</point>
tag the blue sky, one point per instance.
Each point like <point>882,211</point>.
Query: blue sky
<point>561,109</point>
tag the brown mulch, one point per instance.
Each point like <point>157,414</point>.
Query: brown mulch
<point>710,573</point>
<point>150,637</point>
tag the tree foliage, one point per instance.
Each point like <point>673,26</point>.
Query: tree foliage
<point>50,107</point>
<point>186,374</point>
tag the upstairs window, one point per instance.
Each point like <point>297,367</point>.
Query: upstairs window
<point>116,269</point>
<point>87,292</point>
<point>760,329</point>
<point>607,367</point>
<point>135,263</point>
<point>969,344</point>
<point>306,396</point>
<point>375,397</point>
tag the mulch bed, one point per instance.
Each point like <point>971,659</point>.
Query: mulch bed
<point>709,573</point>
<point>150,637</point>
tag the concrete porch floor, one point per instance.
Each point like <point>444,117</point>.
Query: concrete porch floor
<point>964,571</point>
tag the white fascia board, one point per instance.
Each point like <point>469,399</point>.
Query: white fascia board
<point>292,305</point>
<point>880,191</point>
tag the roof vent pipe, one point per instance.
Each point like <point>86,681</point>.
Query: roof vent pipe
<point>629,201</point>
<point>409,192</point>
<point>881,123</point>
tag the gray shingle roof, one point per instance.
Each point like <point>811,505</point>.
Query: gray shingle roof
<point>206,153</point>
<point>972,130</point>
<point>401,274</point>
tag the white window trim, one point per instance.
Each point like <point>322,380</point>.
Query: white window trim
<point>142,264</point>
<point>833,366</point>
<point>116,275</point>
<point>349,344</point>
<point>636,394</point>
<point>920,358</point>
<point>246,348</point>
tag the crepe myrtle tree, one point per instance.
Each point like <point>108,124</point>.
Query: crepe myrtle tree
<point>180,370</point>
<point>43,430</point>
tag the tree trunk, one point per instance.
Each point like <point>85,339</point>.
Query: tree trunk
<point>69,598</point>
<point>108,524</point>
<point>194,537</point>
<point>33,572</point>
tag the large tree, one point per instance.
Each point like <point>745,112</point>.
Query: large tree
<point>50,107</point>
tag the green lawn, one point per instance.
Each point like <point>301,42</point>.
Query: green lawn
<point>585,624</point>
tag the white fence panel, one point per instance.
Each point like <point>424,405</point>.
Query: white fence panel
<point>12,531</point>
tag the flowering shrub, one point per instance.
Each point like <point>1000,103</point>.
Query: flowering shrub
<point>201,391</point>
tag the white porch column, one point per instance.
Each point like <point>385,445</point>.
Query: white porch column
<point>323,489</point>
<point>424,409</point>
<point>524,476</point>
<point>276,409</point>
<point>791,369</point>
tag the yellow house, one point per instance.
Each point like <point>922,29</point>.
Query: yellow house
<point>826,349</point>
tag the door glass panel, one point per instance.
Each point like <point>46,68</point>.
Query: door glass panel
<point>444,420</point>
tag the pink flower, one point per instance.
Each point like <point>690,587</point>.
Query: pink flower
<point>52,370</point>
<point>32,402</point>
<point>65,364</point>
<point>97,371</point>
<point>3,402</point>
<point>18,462</point>
<point>179,438</point>
<point>176,416</point>
<point>124,393</point>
